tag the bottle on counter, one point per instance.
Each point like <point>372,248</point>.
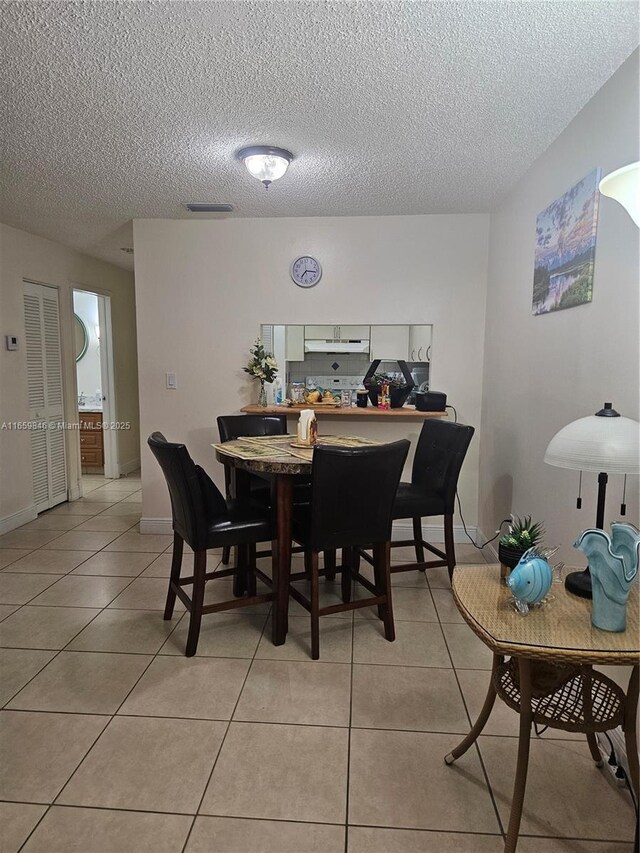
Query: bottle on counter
<point>296,392</point>
<point>277,390</point>
<point>384,399</point>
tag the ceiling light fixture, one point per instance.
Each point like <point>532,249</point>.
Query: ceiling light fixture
<point>265,162</point>
<point>624,186</point>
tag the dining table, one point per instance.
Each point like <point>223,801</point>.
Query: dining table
<point>284,461</point>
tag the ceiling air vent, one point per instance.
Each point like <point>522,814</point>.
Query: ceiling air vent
<point>207,207</point>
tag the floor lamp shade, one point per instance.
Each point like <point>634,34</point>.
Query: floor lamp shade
<point>624,186</point>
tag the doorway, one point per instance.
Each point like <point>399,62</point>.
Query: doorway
<point>95,384</point>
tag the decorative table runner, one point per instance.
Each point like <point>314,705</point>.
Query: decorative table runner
<point>273,446</point>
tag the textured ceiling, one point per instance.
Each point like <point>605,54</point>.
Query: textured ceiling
<point>118,110</point>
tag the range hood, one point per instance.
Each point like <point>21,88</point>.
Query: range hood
<point>336,346</point>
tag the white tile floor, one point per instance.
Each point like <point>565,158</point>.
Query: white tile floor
<point>114,742</point>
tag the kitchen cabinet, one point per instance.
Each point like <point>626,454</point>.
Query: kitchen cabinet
<point>389,343</point>
<point>336,333</point>
<point>353,333</point>
<point>320,333</point>
<point>294,343</point>
<point>419,343</point>
<point>91,442</point>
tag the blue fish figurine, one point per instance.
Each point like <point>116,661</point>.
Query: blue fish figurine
<point>530,581</point>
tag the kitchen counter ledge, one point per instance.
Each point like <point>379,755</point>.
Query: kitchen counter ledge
<point>346,412</point>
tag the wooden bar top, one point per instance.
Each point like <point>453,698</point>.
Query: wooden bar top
<point>344,412</point>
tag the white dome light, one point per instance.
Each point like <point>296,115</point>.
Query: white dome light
<point>265,163</point>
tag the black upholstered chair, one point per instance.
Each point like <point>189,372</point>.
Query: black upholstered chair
<point>352,494</point>
<point>203,519</point>
<point>440,452</point>
<point>236,426</point>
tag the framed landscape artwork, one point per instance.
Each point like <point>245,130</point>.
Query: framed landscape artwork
<point>566,247</point>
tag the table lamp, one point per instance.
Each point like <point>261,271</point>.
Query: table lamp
<point>605,443</point>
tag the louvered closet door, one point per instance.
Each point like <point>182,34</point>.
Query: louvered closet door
<point>44,382</point>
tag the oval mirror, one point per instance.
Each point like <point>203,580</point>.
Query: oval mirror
<point>81,336</point>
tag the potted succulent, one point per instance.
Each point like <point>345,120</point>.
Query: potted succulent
<point>399,387</point>
<point>522,535</point>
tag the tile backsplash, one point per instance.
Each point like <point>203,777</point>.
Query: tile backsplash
<point>322,364</point>
<point>334,364</point>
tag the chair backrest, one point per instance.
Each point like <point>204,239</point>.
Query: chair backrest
<point>440,453</point>
<point>194,496</point>
<point>234,426</point>
<point>352,494</point>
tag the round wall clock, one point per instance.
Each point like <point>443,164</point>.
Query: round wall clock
<point>306,271</point>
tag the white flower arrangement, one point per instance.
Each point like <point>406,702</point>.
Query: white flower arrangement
<point>262,365</point>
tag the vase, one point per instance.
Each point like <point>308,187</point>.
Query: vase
<point>509,558</point>
<point>398,396</point>
<point>262,396</point>
<point>613,562</point>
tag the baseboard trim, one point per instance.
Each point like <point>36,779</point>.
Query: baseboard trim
<point>432,532</point>
<point>129,467</point>
<point>401,530</point>
<point>17,519</point>
<point>491,550</point>
<point>75,492</point>
<point>156,525</point>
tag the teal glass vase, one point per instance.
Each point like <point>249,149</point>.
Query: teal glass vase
<point>613,564</point>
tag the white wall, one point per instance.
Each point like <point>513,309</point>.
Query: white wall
<point>24,255</point>
<point>88,373</point>
<point>203,289</point>
<point>543,372</point>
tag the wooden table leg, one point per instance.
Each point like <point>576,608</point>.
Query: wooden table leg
<point>281,559</point>
<point>481,722</point>
<point>524,741</point>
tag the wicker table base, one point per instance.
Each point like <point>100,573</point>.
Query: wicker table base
<point>586,702</point>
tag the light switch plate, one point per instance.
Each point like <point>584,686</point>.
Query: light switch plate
<point>12,342</point>
<point>172,381</point>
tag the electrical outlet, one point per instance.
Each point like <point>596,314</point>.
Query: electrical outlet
<point>619,745</point>
<point>620,765</point>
